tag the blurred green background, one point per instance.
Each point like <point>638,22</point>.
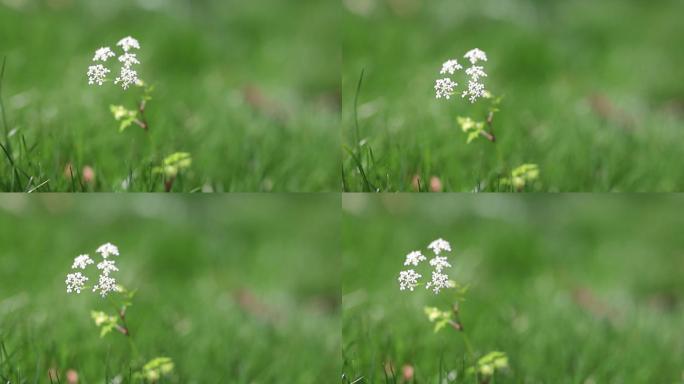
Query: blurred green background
<point>236,289</point>
<point>593,93</point>
<point>247,88</point>
<point>574,288</point>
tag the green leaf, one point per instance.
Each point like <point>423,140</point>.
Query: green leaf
<point>490,363</point>
<point>437,316</point>
<point>99,317</point>
<point>470,126</point>
<point>174,163</point>
<point>466,123</point>
<point>472,136</point>
<point>104,330</point>
<point>155,369</point>
<point>521,176</point>
<point>125,124</point>
<point>120,112</point>
<point>440,324</point>
<point>124,115</point>
<point>147,96</point>
<point>104,321</point>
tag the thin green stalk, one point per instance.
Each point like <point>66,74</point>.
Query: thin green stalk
<point>133,346</point>
<point>2,107</point>
<point>469,346</point>
<point>7,148</point>
<point>356,115</point>
<point>126,332</point>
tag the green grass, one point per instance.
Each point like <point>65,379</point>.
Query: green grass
<point>592,94</point>
<point>247,88</point>
<point>574,288</point>
<point>231,295</point>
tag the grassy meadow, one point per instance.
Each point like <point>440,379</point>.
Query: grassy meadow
<point>225,291</point>
<point>592,93</point>
<point>246,88</point>
<point>573,288</point>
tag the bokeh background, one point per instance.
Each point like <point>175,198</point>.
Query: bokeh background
<point>247,87</point>
<point>574,288</point>
<point>235,289</point>
<point>592,93</point>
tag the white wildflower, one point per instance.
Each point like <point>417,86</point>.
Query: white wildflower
<point>475,91</point>
<point>439,281</point>
<point>444,88</point>
<point>103,54</point>
<point>475,72</point>
<point>450,67</point>
<point>129,59</point>
<point>108,249</point>
<point>440,245</point>
<point>75,282</point>
<point>474,55</point>
<point>408,279</point>
<point>82,262</point>
<point>127,43</point>
<point>107,267</point>
<point>97,74</point>
<point>439,263</point>
<point>105,285</point>
<point>414,258</point>
<point>126,77</point>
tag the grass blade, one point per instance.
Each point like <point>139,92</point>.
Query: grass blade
<point>345,187</point>
<point>38,186</point>
<point>368,187</point>
<point>2,103</point>
<point>356,103</point>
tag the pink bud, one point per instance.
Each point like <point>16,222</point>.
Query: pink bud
<point>88,174</point>
<point>435,184</point>
<point>72,376</point>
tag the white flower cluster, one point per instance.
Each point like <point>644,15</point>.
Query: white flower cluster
<point>107,250</point>
<point>414,258</point>
<point>82,262</point>
<point>97,74</point>
<point>75,282</point>
<point>440,245</point>
<point>450,67</point>
<point>445,87</point>
<point>408,279</point>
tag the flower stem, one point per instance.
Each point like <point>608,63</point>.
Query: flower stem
<point>134,348</point>
<point>143,121</point>
<point>122,315</point>
<point>456,324</point>
<point>168,184</point>
<point>142,124</point>
<point>469,347</point>
<point>123,328</point>
<point>489,136</point>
